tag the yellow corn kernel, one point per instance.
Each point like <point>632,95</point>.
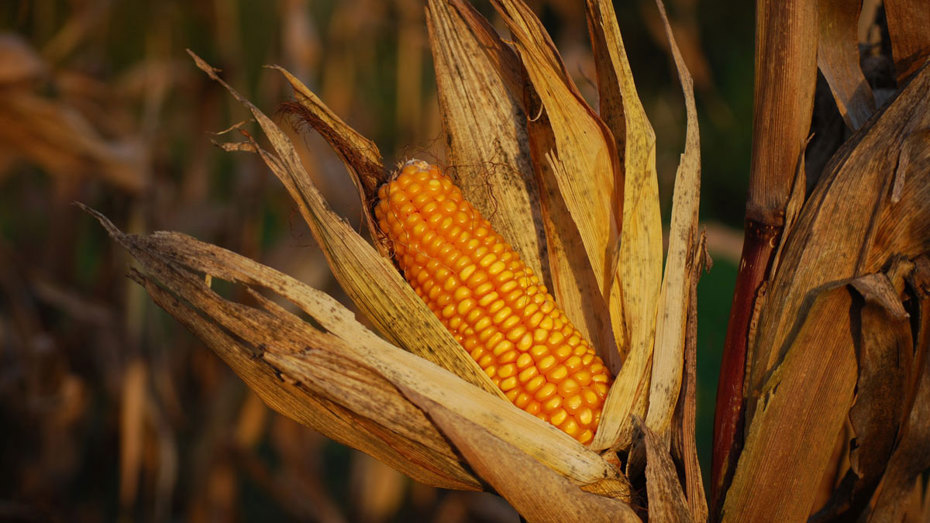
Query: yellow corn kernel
<point>491,301</point>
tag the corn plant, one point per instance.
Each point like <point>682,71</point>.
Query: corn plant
<point>525,333</point>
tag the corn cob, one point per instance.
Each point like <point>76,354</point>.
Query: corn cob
<point>492,303</point>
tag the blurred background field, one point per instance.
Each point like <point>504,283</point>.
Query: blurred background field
<point>108,408</point>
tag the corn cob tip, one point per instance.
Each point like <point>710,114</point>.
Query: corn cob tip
<point>491,301</point>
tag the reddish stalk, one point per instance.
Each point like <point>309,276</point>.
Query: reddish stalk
<point>785,78</point>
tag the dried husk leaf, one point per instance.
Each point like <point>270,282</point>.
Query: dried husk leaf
<point>911,456</point>
<point>885,367</point>
<point>359,154</point>
<point>801,409</point>
<point>246,338</point>
<point>574,283</point>
<point>583,159</point>
<point>838,60</point>
<point>339,377</point>
<point>684,442</point>
<point>676,295</point>
<point>908,21</point>
<point>488,151</point>
<point>535,491</point>
<point>374,285</point>
<point>635,291</point>
<point>666,499</point>
<point>501,55</point>
<point>849,225</point>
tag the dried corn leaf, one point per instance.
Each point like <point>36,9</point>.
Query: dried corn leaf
<point>850,226</point>
<point>666,499</point>
<point>684,444</point>
<point>339,377</point>
<point>886,363</point>
<point>536,492</point>
<point>801,410</point>
<point>359,154</point>
<point>488,152</point>
<point>573,282</point>
<point>582,158</point>
<point>372,282</point>
<point>502,56</point>
<point>247,338</point>
<point>635,292</point>
<point>885,366</point>
<point>908,21</point>
<point>911,456</point>
<point>676,295</point>
<point>838,60</point>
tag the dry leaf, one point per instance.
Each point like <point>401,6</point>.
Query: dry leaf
<point>885,366</point>
<point>535,491</point>
<point>582,158</point>
<point>340,378</point>
<point>684,443</point>
<point>911,456</point>
<point>800,411</point>
<point>838,60</point>
<point>574,282</point>
<point>666,499</point>
<point>359,154</point>
<point>634,295</point>
<point>489,157</point>
<point>677,285</point>
<point>910,41</point>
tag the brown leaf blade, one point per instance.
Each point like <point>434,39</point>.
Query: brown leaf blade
<point>574,282</point>
<point>910,41</point>
<point>684,442</point>
<point>666,499</point>
<point>534,490</point>
<point>838,60</point>
<point>799,414</point>
<point>911,455</point>
<point>251,342</point>
<point>359,154</point>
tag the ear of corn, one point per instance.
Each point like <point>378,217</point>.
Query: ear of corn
<point>491,302</point>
